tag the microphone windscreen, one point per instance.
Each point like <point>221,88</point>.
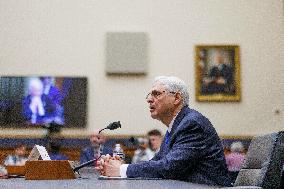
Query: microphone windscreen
<point>114,125</point>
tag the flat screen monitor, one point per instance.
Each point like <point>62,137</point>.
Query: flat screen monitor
<point>34,101</point>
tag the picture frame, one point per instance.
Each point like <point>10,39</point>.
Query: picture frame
<point>217,73</point>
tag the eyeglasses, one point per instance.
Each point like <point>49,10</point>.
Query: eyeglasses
<point>156,94</point>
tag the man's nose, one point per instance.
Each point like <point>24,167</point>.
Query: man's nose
<point>150,99</point>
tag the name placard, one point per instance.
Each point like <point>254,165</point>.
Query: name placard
<point>38,151</point>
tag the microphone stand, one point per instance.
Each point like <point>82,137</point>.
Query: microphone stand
<point>76,169</point>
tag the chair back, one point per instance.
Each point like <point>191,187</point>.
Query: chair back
<point>263,163</point>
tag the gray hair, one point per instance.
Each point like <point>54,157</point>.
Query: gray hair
<point>237,147</point>
<point>35,83</point>
<point>174,84</point>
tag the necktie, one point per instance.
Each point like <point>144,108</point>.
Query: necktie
<point>167,137</point>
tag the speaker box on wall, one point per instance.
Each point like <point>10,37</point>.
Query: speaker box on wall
<point>126,53</point>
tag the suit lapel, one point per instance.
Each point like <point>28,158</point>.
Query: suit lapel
<point>165,147</point>
<point>185,110</point>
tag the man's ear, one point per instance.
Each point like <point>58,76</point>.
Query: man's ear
<point>178,98</point>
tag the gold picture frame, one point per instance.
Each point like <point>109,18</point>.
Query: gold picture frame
<point>217,73</point>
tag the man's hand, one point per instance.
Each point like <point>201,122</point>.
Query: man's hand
<point>109,166</point>
<point>101,163</point>
<point>112,168</point>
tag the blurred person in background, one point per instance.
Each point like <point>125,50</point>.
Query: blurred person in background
<point>54,152</point>
<point>143,153</point>
<point>96,148</point>
<point>148,147</point>
<point>18,158</point>
<point>155,140</point>
<point>235,159</point>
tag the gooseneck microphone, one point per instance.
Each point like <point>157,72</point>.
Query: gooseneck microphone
<point>111,126</point>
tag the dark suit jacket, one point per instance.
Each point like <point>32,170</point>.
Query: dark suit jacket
<point>48,105</point>
<point>88,153</point>
<point>58,156</point>
<point>227,73</point>
<point>194,153</point>
<point>55,95</point>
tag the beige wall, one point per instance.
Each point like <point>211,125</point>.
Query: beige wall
<point>67,38</point>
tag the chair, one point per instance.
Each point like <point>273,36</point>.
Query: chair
<point>263,164</point>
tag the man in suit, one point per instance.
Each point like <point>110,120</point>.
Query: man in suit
<point>221,77</point>
<point>38,108</point>
<point>96,149</point>
<point>191,149</point>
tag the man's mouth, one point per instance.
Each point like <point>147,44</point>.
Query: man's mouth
<point>152,108</point>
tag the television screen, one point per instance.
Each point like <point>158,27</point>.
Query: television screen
<point>34,101</point>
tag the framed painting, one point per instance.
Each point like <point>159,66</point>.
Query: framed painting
<point>217,73</point>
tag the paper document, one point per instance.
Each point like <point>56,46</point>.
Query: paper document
<point>38,151</point>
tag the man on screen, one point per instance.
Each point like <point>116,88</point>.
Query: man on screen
<point>191,150</point>
<point>38,108</point>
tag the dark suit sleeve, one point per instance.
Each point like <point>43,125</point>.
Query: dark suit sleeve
<point>189,145</point>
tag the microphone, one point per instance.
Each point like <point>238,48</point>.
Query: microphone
<point>111,126</point>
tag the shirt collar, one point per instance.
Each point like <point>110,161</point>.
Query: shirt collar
<point>171,124</point>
